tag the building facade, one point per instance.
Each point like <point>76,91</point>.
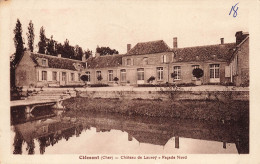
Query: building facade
<point>156,59</point>
<point>222,63</point>
<point>239,62</point>
<point>39,70</point>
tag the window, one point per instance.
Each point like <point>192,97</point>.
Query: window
<point>160,73</point>
<point>54,76</point>
<point>110,75</point>
<point>214,71</point>
<point>72,77</point>
<point>140,74</point>
<point>128,62</point>
<point>63,76</point>
<point>177,72</point>
<point>123,75</point>
<point>164,59</point>
<point>145,60</point>
<point>44,62</point>
<point>79,76</point>
<point>88,75</point>
<point>99,77</point>
<point>44,75</point>
<point>195,67</point>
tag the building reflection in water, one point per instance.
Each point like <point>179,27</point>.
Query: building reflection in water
<point>156,131</point>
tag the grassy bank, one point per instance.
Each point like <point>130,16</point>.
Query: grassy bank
<point>188,109</point>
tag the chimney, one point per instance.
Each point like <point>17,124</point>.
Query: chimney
<point>97,54</point>
<point>128,47</point>
<point>59,55</point>
<point>175,45</point>
<point>222,40</point>
<point>83,57</point>
<point>240,36</point>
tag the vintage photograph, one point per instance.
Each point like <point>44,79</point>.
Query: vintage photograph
<point>127,78</point>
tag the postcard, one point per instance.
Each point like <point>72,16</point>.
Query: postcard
<point>129,81</point>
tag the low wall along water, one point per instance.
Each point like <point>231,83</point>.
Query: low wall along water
<point>173,95</point>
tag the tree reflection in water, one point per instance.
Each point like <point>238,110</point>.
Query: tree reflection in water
<point>30,147</point>
<point>45,141</point>
<point>18,142</point>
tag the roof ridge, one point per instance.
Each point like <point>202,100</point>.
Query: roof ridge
<point>151,41</point>
<point>56,57</point>
<point>205,45</point>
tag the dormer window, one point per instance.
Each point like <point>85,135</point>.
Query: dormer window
<point>44,62</point>
<point>164,58</point>
<point>145,60</point>
<point>128,62</point>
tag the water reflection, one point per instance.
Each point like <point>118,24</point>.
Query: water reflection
<point>114,133</point>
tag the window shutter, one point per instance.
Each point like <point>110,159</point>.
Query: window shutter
<point>227,71</point>
<point>40,75</point>
<point>49,76</point>
<point>125,61</point>
<point>162,59</point>
<point>132,61</point>
<point>167,58</point>
<point>58,76</point>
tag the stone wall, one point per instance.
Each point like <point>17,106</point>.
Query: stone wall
<point>175,95</point>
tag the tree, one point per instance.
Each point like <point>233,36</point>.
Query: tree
<point>19,49</point>
<point>58,48</point>
<point>30,36</point>
<point>106,51</point>
<point>78,52</point>
<point>50,49</point>
<point>198,73</point>
<point>88,53</point>
<point>18,42</point>
<point>42,43</point>
<point>68,51</point>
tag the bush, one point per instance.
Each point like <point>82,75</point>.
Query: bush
<point>99,78</point>
<point>99,85</point>
<point>151,79</point>
<point>84,78</point>
<point>198,73</point>
<point>116,79</point>
<point>167,85</point>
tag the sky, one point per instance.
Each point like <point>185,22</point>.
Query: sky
<point>118,23</point>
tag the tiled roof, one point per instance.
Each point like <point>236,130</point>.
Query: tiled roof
<point>149,48</point>
<point>57,62</point>
<point>104,61</point>
<point>220,52</point>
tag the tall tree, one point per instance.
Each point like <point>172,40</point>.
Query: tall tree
<point>58,48</point>
<point>18,42</point>
<point>30,36</point>
<point>88,53</point>
<point>68,50</point>
<point>50,49</point>
<point>78,52</point>
<point>42,43</point>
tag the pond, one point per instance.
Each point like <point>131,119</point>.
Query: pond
<point>49,131</point>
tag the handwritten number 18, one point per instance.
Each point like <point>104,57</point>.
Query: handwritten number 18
<point>235,10</point>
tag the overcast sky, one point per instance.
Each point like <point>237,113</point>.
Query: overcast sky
<point>117,23</point>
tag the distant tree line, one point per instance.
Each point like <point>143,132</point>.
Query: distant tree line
<point>48,46</point>
<point>105,51</point>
